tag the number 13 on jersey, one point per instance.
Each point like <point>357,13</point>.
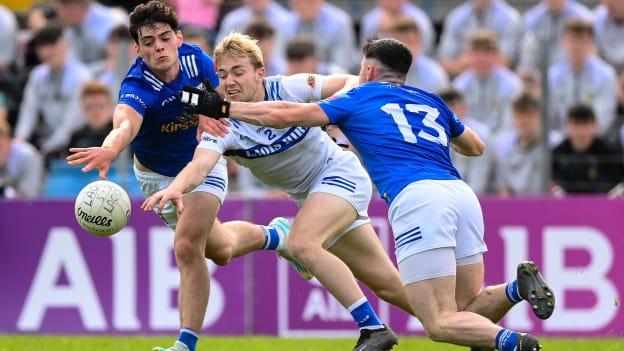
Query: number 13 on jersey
<point>428,120</point>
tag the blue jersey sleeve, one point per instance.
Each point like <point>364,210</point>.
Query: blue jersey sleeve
<point>209,70</point>
<point>456,126</point>
<point>137,94</point>
<point>337,108</point>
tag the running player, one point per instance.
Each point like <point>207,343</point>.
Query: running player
<point>331,233</point>
<point>403,136</point>
<point>149,117</point>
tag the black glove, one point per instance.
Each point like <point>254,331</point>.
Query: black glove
<point>208,103</point>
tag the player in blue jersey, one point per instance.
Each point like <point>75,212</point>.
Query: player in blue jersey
<point>150,118</point>
<point>403,135</point>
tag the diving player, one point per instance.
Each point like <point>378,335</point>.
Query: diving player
<point>331,235</point>
<point>149,117</point>
<point>403,135</point>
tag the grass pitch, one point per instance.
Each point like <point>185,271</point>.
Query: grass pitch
<point>107,343</point>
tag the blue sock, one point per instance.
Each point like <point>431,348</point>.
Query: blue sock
<point>506,340</point>
<point>364,315</point>
<point>271,238</point>
<point>512,292</point>
<point>188,337</point>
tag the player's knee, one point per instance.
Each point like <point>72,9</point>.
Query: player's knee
<point>388,288</point>
<point>300,249</point>
<point>438,329</point>
<point>186,251</point>
<point>220,257</point>
<point>435,331</point>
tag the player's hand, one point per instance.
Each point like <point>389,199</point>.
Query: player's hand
<point>215,127</point>
<point>208,103</point>
<point>160,199</point>
<point>98,158</point>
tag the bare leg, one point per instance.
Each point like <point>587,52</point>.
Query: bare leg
<point>433,302</point>
<point>232,239</point>
<point>320,218</point>
<point>200,210</point>
<point>361,250</point>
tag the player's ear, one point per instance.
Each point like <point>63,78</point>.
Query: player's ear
<point>180,37</point>
<point>370,73</point>
<point>260,72</point>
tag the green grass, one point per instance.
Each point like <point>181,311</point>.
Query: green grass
<point>106,343</point>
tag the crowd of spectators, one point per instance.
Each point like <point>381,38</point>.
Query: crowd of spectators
<point>543,88</point>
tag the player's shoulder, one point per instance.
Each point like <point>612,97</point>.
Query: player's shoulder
<point>190,49</point>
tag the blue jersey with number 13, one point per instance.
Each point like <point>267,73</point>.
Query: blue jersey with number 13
<point>402,133</point>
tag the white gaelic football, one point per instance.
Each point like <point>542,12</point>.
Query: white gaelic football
<point>102,208</point>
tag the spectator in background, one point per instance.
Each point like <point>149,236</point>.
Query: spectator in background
<point>21,166</point>
<point>197,36</point>
<point>113,69</point>
<point>582,77</point>
<point>8,37</point>
<point>609,25</point>
<point>584,163</point>
<point>496,15</point>
<point>39,16</point>
<point>520,159</point>
<point>330,27</point>
<point>200,14</point>
<point>52,92</point>
<point>97,106</point>
<point>543,29</point>
<point>477,172</point>
<point>277,16</point>
<point>264,33</point>
<point>488,87</point>
<point>424,73</point>
<point>88,27</point>
<point>301,57</point>
<point>380,19</point>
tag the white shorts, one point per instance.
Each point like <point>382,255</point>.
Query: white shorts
<point>344,177</point>
<point>430,214</point>
<point>216,183</point>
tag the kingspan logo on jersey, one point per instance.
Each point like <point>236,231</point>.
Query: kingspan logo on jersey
<point>291,138</point>
<point>181,123</point>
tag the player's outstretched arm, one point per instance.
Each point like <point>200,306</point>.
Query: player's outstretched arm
<point>274,114</point>
<point>468,143</point>
<point>192,175</point>
<point>279,114</point>
<point>126,125</point>
<point>337,84</point>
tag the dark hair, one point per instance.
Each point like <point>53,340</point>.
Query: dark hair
<point>525,102</point>
<point>579,26</point>
<point>149,14</point>
<point>119,33</point>
<point>390,52</point>
<point>451,96</point>
<point>48,35</point>
<point>300,48</point>
<point>581,113</point>
<point>259,29</point>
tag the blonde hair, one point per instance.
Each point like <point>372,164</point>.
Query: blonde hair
<point>240,45</point>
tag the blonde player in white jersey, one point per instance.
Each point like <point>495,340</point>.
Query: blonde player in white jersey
<point>331,235</point>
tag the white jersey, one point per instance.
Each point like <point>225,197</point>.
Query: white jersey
<point>290,158</point>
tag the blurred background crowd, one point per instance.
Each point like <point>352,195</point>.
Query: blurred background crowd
<point>542,82</point>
